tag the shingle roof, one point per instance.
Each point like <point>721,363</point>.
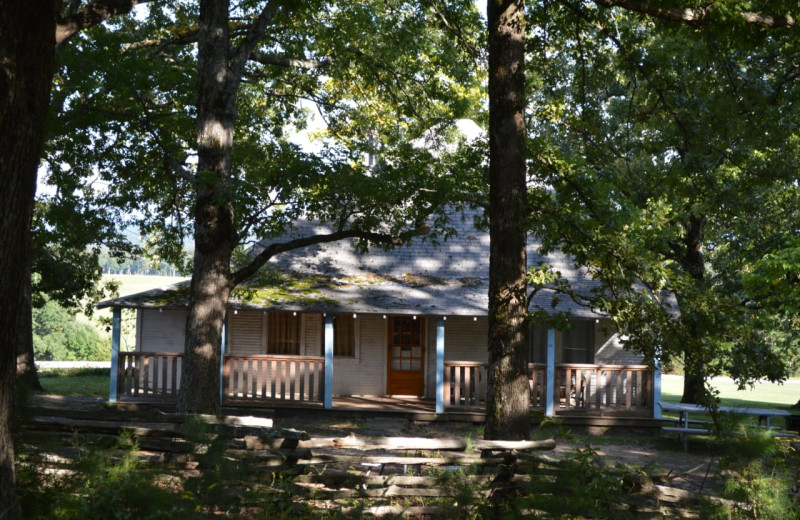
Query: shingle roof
<point>449,278</point>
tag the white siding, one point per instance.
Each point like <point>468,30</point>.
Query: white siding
<point>246,333</point>
<point>161,331</point>
<point>465,339</point>
<point>366,373</point>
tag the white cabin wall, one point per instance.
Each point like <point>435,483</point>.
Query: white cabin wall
<point>364,374</point>
<point>161,331</point>
<point>465,339</point>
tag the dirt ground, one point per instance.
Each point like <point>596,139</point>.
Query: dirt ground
<point>663,459</point>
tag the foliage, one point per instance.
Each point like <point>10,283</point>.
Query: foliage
<point>57,335</point>
<point>380,74</point>
<point>68,234</point>
<point>663,159</point>
<point>106,484</point>
<point>594,489</point>
<point>759,473</point>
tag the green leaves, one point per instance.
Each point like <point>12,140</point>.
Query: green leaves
<point>380,74</point>
<point>663,161</point>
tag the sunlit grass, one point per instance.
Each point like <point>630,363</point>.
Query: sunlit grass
<point>762,395</point>
<point>76,383</point>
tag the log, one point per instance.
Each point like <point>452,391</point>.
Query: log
<point>353,441</point>
<point>547,444</point>
<point>408,461</point>
<point>384,492</point>
<point>336,479</point>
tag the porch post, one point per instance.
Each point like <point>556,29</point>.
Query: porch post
<point>550,393</point>
<point>657,391</point>
<point>328,398</point>
<point>440,365</point>
<point>223,350</point>
<point>115,340</point>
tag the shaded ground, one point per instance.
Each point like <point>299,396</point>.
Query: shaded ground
<point>695,470</point>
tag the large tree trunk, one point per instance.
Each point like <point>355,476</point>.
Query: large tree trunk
<point>27,50</point>
<point>215,233</point>
<point>694,350</point>
<point>508,398</point>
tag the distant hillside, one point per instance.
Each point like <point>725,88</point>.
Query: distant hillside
<point>134,283</point>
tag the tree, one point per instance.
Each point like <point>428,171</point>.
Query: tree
<point>27,47</point>
<point>66,235</point>
<point>380,73</point>
<point>508,397</point>
<point>57,335</point>
<point>660,145</point>
<point>26,55</point>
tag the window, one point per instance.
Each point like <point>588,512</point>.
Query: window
<point>578,342</point>
<point>537,341</point>
<point>344,335</point>
<point>283,333</point>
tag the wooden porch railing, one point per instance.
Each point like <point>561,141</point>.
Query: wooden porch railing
<point>606,388</point>
<point>537,380</point>
<point>152,375</point>
<point>149,375</point>
<point>274,378</point>
<point>596,388</point>
<point>465,384</point>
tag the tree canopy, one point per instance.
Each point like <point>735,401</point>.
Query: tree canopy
<point>669,168</point>
<point>188,128</point>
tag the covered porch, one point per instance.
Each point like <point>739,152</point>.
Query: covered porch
<point>557,389</point>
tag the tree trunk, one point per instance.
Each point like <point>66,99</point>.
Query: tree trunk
<point>27,50</point>
<point>694,350</point>
<point>508,398</point>
<point>215,232</point>
<point>27,375</point>
<point>694,382</point>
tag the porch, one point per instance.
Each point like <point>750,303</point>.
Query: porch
<point>299,381</point>
<point>454,386</point>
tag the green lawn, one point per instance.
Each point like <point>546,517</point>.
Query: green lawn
<point>763,395</point>
<point>81,382</point>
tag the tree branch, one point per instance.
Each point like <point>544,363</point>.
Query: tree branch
<point>254,35</point>
<point>269,59</point>
<point>699,15</point>
<point>273,249</point>
<point>92,14</point>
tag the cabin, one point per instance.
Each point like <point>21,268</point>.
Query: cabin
<point>328,322</point>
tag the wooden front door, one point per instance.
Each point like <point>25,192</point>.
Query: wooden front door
<point>406,374</point>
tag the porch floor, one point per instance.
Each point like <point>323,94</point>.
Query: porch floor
<point>424,410</point>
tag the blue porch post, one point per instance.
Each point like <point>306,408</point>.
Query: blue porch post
<point>115,340</point>
<point>657,391</point>
<point>328,398</point>
<point>440,365</point>
<point>550,393</point>
<point>223,350</point>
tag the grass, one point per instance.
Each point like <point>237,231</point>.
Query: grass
<point>762,395</point>
<point>81,382</point>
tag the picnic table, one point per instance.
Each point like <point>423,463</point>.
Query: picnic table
<point>684,428</point>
